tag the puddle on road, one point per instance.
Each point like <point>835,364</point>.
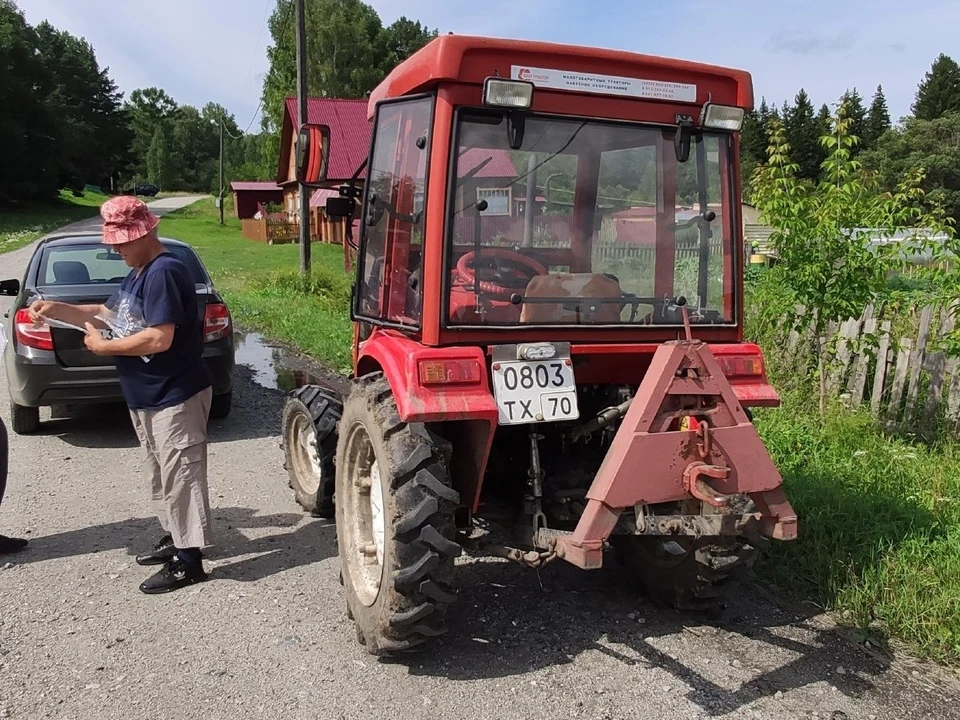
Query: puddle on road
<point>277,368</point>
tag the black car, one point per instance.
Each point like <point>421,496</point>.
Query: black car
<point>49,366</point>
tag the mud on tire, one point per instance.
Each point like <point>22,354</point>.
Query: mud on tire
<point>309,432</point>
<point>398,592</point>
<point>691,574</point>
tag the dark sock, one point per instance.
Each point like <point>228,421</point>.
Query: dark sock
<point>189,555</point>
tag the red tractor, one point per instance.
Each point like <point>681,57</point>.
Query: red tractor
<point>548,332</point>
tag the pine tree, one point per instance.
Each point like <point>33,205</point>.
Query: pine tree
<point>858,117</point>
<point>878,119</point>
<point>803,134</point>
<point>158,159</point>
<point>939,92</point>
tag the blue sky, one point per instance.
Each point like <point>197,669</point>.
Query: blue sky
<point>215,50</point>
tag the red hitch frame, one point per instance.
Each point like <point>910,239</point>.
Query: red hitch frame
<point>650,461</point>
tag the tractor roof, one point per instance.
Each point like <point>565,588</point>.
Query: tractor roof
<point>466,59</point>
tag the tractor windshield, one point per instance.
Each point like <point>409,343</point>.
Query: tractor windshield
<point>588,222</point>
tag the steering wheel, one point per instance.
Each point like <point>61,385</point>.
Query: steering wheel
<point>510,271</point>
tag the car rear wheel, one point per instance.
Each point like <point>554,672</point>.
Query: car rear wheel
<point>25,420</point>
<point>220,405</point>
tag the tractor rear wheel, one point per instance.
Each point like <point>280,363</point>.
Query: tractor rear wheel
<point>309,425</point>
<point>686,573</point>
<point>395,522</point>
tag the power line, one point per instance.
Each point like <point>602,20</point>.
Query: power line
<point>283,35</point>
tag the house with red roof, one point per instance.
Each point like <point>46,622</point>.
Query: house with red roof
<point>349,143</point>
<point>493,178</point>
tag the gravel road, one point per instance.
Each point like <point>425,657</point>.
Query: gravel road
<point>267,637</point>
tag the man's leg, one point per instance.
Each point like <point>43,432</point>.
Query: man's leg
<point>180,433</point>
<point>164,549</point>
<point>7,544</point>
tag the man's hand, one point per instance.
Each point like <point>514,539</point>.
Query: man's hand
<point>94,341</point>
<point>39,308</point>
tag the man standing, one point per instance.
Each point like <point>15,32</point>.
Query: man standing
<point>7,544</point>
<point>159,355</point>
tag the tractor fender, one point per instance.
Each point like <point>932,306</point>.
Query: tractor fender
<point>430,384</point>
<point>460,403</point>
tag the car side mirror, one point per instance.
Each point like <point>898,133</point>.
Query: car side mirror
<point>313,154</point>
<point>10,288</point>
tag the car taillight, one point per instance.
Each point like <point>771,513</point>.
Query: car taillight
<point>741,365</point>
<point>35,336</point>
<point>449,372</point>
<point>216,322</point>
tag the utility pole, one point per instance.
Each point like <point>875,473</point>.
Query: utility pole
<point>302,104</point>
<point>221,170</point>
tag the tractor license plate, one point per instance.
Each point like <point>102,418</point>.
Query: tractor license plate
<point>535,391</point>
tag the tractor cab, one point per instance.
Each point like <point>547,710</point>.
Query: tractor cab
<point>504,196</point>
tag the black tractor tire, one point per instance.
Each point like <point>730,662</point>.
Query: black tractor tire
<point>25,420</point>
<point>398,592</point>
<point>221,405</point>
<point>687,574</point>
<point>309,437</point>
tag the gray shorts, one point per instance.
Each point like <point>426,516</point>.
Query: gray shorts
<point>175,443</point>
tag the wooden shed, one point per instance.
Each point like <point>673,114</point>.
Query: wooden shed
<point>249,195</point>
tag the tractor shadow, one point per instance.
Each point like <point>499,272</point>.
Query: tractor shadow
<point>509,621</point>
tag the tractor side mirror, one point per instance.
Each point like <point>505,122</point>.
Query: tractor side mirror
<point>10,288</point>
<point>313,154</point>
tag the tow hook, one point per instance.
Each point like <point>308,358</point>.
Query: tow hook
<point>694,483</point>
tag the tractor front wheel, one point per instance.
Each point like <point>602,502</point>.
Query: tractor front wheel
<point>686,573</point>
<point>395,522</point>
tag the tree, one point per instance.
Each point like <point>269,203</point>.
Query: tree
<point>28,130</point>
<point>825,263</point>
<point>348,53</point>
<point>858,117</point>
<point>939,91</point>
<point>86,105</point>
<point>878,119</point>
<point>149,109</point>
<point>803,133</point>
<point>400,40</point>
<point>158,159</point>
<point>930,144</point>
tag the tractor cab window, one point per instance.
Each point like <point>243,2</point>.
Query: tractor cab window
<point>390,258</point>
<point>588,223</point>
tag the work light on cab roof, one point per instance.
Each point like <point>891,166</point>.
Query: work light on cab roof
<point>548,333</point>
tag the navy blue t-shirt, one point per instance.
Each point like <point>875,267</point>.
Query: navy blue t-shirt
<point>162,293</point>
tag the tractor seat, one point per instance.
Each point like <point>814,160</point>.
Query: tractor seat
<point>572,285</point>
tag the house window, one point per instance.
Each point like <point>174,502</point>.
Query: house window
<point>498,200</point>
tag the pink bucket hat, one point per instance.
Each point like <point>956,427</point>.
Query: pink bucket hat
<point>125,219</point>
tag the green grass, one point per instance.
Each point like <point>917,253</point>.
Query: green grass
<point>879,526</point>
<point>262,285</point>
<point>21,226</point>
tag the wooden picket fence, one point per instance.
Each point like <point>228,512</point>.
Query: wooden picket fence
<point>909,381</point>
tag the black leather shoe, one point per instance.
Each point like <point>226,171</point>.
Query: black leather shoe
<point>162,552</point>
<point>175,575</point>
<point>11,545</point>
